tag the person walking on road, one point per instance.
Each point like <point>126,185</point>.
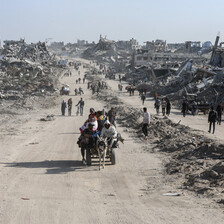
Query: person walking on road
<point>168,106</point>
<point>155,96</point>
<point>146,122</point>
<point>194,108</point>
<point>112,116</point>
<point>219,110</point>
<point>157,106</point>
<point>119,78</point>
<point>81,104</point>
<point>143,98</point>
<point>63,107</point>
<point>70,107</point>
<point>212,117</point>
<point>163,106</point>
<point>184,108</point>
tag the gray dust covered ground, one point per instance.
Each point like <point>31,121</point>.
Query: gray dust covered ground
<point>44,181</point>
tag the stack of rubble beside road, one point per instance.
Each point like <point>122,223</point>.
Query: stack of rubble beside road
<point>195,162</point>
<point>26,70</point>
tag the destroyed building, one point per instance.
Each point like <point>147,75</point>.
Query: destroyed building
<point>188,70</point>
<point>70,49</point>
<point>155,46</point>
<point>25,69</point>
<point>164,59</point>
<point>108,52</point>
<point>192,46</point>
<point>128,45</point>
<point>173,47</point>
<point>217,58</point>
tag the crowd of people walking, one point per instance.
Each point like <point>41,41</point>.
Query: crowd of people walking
<point>162,106</point>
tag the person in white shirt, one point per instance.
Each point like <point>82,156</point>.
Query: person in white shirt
<point>146,122</point>
<point>108,130</point>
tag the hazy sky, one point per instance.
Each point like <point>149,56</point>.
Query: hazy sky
<point>69,20</point>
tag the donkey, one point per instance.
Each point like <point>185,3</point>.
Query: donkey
<point>101,146</point>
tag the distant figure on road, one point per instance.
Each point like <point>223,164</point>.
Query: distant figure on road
<point>194,108</point>
<point>163,106</point>
<point>146,122</point>
<point>63,107</point>
<point>133,91</point>
<point>70,107</point>
<point>157,105</point>
<point>81,91</point>
<point>112,116</point>
<point>84,79</point>
<point>168,106</point>
<point>81,106</point>
<point>212,117</point>
<point>219,110</point>
<point>184,108</point>
<point>155,95</point>
<point>143,98</point>
<point>119,78</point>
<point>87,140</point>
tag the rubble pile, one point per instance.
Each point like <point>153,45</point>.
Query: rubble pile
<point>70,49</point>
<point>206,83</point>
<point>25,69</point>
<point>110,53</point>
<point>191,156</point>
<point>176,74</point>
<point>196,158</point>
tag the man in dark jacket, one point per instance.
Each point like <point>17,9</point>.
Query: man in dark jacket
<point>81,106</point>
<point>219,110</point>
<point>70,107</point>
<point>184,108</point>
<point>143,98</point>
<point>212,117</point>
<point>87,140</point>
<point>112,116</point>
<point>63,107</point>
<point>168,106</point>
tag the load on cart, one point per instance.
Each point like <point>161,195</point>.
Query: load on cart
<point>98,139</point>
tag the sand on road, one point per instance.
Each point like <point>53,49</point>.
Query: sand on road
<point>42,179</point>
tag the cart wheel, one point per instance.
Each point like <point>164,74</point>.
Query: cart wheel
<point>113,157</point>
<point>88,157</point>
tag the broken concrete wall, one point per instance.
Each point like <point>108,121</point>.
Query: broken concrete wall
<point>25,69</point>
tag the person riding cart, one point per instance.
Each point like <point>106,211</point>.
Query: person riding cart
<point>108,130</point>
<point>87,140</point>
<point>111,134</point>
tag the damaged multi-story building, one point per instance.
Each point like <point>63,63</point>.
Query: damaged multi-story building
<point>217,58</point>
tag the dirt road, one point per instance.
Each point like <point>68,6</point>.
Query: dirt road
<point>42,179</point>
